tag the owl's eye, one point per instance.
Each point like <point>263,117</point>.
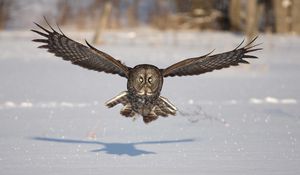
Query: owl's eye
<point>150,79</point>
<point>141,79</point>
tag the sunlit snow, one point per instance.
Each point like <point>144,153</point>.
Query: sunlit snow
<point>242,120</point>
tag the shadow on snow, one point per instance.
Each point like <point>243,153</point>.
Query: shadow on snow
<point>115,148</point>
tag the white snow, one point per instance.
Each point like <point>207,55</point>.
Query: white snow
<point>255,101</point>
<point>191,101</point>
<point>242,120</point>
<point>9,104</point>
<point>26,105</point>
<point>289,101</point>
<point>273,100</point>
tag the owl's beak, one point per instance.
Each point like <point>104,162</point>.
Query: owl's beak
<point>145,91</point>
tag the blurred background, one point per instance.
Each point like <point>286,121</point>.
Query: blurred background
<point>240,120</point>
<point>242,16</point>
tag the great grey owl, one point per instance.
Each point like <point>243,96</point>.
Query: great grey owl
<point>144,81</point>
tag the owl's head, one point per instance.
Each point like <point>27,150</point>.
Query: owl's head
<point>145,80</point>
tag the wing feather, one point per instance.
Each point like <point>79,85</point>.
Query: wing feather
<point>208,62</point>
<point>88,57</point>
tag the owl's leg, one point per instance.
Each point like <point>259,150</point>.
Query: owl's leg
<point>121,98</point>
<point>150,117</point>
<point>166,106</point>
<point>160,112</point>
<point>127,110</point>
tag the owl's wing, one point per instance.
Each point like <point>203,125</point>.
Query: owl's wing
<point>208,63</point>
<point>79,54</point>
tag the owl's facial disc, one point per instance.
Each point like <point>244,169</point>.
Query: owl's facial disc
<point>145,80</point>
<point>145,85</point>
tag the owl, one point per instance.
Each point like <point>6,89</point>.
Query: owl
<point>144,81</point>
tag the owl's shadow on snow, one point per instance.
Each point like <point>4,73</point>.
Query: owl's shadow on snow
<point>115,148</point>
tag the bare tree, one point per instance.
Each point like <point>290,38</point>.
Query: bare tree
<point>296,16</point>
<point>102,22</point>
<point>81,19</point>
<point>115,16</point>
<point>132,13</point>
<point>252,19</point>
<point>282,15</point>
<point>63,11</point>
<point>235,15</point>
<point>4,12</point>
<point>160,15</point>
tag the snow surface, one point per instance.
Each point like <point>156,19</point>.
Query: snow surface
<point>243,120</point>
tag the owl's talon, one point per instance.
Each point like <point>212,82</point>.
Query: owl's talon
<point>127,111</point>
<point>150,117</point>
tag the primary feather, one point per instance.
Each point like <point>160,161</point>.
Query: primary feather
<point>208,62</point>
<point>79,54</point>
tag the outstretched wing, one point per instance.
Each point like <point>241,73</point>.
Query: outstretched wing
<point>79,54</point>
<point>208,63</point>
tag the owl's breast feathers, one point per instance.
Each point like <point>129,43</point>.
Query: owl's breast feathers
<point>149,108</point>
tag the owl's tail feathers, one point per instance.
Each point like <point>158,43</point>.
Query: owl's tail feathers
<point>121,98</point>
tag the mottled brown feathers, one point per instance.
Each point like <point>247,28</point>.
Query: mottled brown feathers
<point>70,50</point>
<point>208,62</point>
